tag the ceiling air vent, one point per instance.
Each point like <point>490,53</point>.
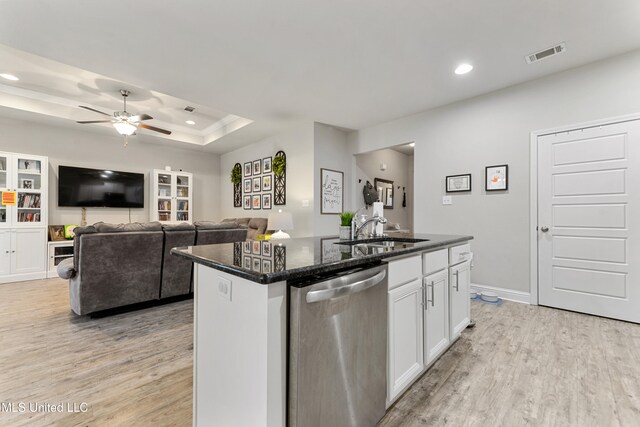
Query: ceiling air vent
<point>189,109</point>
<point>535,57</point>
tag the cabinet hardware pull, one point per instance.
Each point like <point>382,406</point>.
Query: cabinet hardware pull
<point>455,273</point>
<point>433,295</point>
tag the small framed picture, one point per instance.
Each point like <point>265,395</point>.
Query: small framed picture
<point>56,233</point>
<point>256,264</point>
<point>266,248</point>
<point>266,183</point>
<point>256,247</point>
<point>256,204</point>
<point>266,165</point>
<point>246,203</point>
<point>247,169</point>
<point>27,184</point>
<point>257,167</point>
<point>458,183</point>
<point>266,266</point>
<point>257,184</point>
<point>246,262</point>
<point>246,247</point>
<point>247,186</point>
<point>496,178</point>
<point>266,201</point>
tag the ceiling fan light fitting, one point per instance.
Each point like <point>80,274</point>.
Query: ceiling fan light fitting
<point>125,128</point>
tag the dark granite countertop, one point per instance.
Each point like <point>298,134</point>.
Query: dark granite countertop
<point>277,260</point>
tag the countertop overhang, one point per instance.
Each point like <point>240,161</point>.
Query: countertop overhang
<point>282,260</point>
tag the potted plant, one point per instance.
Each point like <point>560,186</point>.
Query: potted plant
<point>279,164</point>
<point>236,174</point>
<point>345,225</point>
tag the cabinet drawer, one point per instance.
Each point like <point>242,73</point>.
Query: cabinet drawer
<point>404,270</point>
<point>458,254</point>
<point>434,261</point>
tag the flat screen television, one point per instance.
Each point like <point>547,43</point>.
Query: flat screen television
<point>82,187</point>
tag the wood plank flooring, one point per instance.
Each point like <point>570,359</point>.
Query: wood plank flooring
<point>521,366</point>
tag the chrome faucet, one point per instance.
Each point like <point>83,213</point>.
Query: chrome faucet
<point>375,219</point>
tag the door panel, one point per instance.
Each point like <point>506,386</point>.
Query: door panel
<point>459,283</point>
<point>436,287</point>
<point>405,337</point>
<point>28,251</point>
<point>588,199</point>
<point>5,252</point>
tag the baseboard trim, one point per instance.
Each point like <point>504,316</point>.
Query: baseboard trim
<point>505,294</point>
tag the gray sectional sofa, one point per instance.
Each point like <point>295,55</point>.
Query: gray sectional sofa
<point>115,265</point>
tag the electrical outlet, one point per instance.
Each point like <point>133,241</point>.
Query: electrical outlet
<point>447,200</point>
<point>224,288</point>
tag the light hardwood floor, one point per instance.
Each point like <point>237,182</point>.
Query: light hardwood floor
<point>522,365</point>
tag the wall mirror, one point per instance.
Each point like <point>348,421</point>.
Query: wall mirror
<point>385,192</point>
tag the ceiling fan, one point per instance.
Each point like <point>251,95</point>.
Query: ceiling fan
<point>124,122</point>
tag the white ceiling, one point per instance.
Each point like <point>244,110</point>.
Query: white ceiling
<point>347,63</point>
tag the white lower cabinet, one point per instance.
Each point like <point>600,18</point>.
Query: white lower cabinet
<point>405,337</point>
<point>436,315</point>
<point>23,254</point>
<point>459,301</point>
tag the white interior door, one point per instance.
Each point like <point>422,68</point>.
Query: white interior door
<point>588,200</point>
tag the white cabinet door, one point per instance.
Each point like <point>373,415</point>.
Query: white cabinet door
<point>460,314</point>
<point>405,337</point>
<point>436,287</point>
<point>28,251</point>
<point>5,252</point>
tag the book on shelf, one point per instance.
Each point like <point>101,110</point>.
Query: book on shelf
<point>29,217</point>
<point>164,205</point>
<point>29,201</point>
<point>164,216</point>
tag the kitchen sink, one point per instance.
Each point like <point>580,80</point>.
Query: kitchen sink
<point>380,241</point>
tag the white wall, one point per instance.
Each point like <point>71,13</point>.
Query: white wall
<point>77,147</point>
<point>331,151</point>
<point>297,143</point>
<point>494,129</point>
<point>399,170</point>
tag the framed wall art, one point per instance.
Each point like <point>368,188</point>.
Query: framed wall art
<point>256,203</point>
<point>331,191</point>
<point>266,165</point>
<point>257,167</point>
<point>496,178</point>
<point>246,203</point>
<point>458,183</point>
<point>247,169</point>
<point>266,183</point>
<point>257,184</point>
<point>247,186</point>
<point>266,201</point>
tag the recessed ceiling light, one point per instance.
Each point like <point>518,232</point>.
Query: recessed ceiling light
<point>463,69</point>
<point>190,122</point>
<point>9,77</point>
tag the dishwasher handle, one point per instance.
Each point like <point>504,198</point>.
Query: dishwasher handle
<point>347,289</point>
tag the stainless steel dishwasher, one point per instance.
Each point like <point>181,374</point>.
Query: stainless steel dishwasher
<point>338,349</point>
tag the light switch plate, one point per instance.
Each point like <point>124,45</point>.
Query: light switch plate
<point>446,200</point>
<point>224,288</point>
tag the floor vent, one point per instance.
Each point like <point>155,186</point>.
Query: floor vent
<point>189,109</point>
<point>543,54</point>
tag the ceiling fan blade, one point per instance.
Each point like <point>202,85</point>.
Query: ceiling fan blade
<point>94,121</point>
<point>140,117</point>
<point>93,109</point>
<point>153,128</point>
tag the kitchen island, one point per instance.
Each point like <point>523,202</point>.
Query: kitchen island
<point>242,351</point>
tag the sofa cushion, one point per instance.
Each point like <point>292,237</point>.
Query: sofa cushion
<point>182,226</point>
<point>241,221</point>
<point>84,230</point>
<point>256,226</point>
<point>210,225</point>
<point>103,227</point>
